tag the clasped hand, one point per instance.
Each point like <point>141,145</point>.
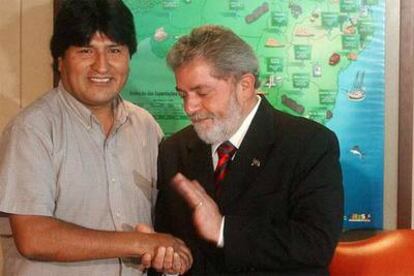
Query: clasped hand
<point>165,253</point>
<point>169,254</point>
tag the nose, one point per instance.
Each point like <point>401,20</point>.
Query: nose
<point>192,104</point>
<point>100,64</point>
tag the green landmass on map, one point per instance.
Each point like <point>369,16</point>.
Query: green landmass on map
<point>302,47</point>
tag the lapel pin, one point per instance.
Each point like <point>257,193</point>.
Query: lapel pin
<point>255,163</point>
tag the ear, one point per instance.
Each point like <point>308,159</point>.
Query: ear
<point>59,65</point>
<point>246,86</point>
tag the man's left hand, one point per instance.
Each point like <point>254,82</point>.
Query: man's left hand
<point>165,259</point>
<point>206,215</point>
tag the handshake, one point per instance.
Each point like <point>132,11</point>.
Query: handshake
<point>170,255</point>
<point>162,252</point>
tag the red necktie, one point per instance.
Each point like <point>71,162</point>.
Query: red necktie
<point>225,152</point>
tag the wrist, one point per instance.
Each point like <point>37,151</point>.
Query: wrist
<point>215,231</point>
<point>140,244</point>
<point>220,242</point>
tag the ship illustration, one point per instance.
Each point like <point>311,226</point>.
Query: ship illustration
<point>357,93</point>
<point>292,104</point>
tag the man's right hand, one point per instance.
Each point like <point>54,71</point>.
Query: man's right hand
<point>73,243</point>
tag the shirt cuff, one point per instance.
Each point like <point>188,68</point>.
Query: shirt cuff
<point>220,243</point>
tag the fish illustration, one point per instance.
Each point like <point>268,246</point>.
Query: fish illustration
<point>355,150</point>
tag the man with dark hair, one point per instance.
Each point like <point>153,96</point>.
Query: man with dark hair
<point>78,166</point>
<point>250,189</point>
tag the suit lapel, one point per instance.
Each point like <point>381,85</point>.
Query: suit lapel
<point>199,164</point>
<point>251,157</point>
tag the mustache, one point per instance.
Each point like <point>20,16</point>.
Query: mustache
<point>199,116</point>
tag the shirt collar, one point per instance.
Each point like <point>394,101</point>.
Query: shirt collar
<point>86,116</point>
<point>238,136</point>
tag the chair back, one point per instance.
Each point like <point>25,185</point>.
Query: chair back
<point>387,253</point>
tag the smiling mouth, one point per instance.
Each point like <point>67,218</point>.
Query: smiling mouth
<point>100,80</point>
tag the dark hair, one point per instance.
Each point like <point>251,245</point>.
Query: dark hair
<point>221,47</point>
<point>78,20</point>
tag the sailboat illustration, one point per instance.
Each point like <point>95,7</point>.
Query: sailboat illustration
<point>357,93</point>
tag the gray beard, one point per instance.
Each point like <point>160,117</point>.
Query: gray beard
<point>223,128</point>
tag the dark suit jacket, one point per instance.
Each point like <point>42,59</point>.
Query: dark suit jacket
<point>283,216</point>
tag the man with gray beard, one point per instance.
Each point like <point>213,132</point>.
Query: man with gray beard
<point>251,190</point>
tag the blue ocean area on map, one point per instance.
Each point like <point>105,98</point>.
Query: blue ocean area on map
<point>360,129</point>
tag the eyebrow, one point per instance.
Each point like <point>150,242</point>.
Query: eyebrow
<point>111,44</point>
<point>192,88</point>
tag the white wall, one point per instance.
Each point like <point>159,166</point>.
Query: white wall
<point>25,63</point>
<point>392,37</point>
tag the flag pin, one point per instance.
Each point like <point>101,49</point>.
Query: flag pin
<point>255,163</point>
